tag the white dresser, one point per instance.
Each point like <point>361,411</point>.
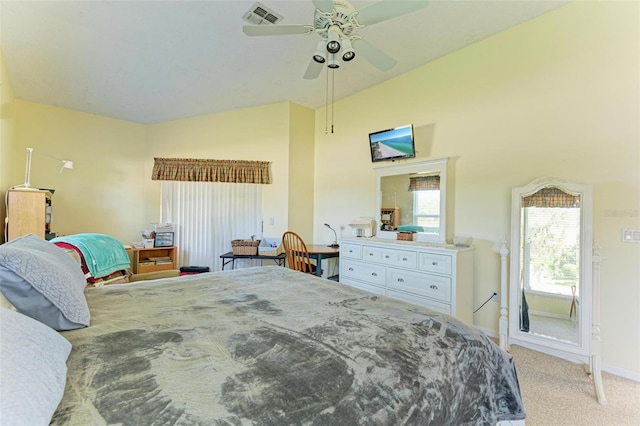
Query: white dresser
<point>438,276</point>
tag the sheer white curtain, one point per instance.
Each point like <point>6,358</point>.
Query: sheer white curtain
<point>208,215</point>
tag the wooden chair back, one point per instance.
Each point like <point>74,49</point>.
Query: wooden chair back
<point>297,254</point>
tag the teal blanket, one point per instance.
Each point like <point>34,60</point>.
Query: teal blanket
<point>409,228</point>
<point>102,254</point>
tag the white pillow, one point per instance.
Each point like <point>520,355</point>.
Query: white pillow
<point>43,282</point>
<point>33,370</point>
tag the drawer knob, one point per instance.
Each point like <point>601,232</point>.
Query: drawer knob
<point>434,263</point>
<point>370,254</point>
<point>386,256</point>
<point>404,259</point>
<point>400,280</point>
<point>433,287</point>
<point>373,274</point>
<point>351,269</point>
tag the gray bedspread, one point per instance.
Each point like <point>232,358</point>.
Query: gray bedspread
<point>271,346</point>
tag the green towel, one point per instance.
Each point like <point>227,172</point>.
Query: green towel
<point>409,228</point>
<point>102,254</point>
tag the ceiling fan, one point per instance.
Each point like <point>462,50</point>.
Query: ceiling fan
<point>337,22</point>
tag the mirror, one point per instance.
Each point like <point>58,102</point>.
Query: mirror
<point>412,197</point>
<point>551,266</point>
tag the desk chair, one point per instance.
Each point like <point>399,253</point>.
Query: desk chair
<point>297,254</point>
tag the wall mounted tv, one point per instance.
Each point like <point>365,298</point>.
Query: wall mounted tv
<point>392,144</point>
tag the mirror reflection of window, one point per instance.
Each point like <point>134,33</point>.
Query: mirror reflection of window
<point>426,213</point>
<point>417,190</point>
<point>550,263</point>
<point>426,202</point>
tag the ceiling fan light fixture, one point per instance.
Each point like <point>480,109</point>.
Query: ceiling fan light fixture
<point>347,51</point>
<point>334,62</point>
<point>320,55</point>
<point>333,39</point>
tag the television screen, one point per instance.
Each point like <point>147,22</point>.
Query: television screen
<point>392,144</point>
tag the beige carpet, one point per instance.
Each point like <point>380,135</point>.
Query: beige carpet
<point>559,392</point>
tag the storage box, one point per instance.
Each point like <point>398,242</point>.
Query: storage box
<point>405,236</point>
<point>164,239</point>
<point>162,227</point>
<point>147,242</point>
<point>245,247</point>
<point>270,247</point>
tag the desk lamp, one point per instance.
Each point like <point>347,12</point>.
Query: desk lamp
<point>27,173</point>
<point>335,242</point>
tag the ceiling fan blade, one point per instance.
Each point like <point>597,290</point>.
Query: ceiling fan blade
<point>375,56</point>
<point>313,70</point>
<point>388,9</point>
<point>323,5</point>
<point>268,30</point>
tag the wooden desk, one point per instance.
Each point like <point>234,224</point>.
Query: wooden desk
<point>321,251</point>
<point>231,258</point>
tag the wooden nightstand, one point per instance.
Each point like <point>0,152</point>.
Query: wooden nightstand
<point>153,259</point>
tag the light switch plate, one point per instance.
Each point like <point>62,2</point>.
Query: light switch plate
<point>631,235</point>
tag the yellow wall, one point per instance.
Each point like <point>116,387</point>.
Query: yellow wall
<point>558,95</point>
<point>7,137</point>
<point>554,96</point>
<point>301,166</point>
<point>104,191</point>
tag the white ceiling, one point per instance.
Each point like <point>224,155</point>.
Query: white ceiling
<point>156,61</point>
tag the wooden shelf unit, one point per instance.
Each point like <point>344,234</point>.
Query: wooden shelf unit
<point>27,211</point>
<point>139,256</point>
<point>393,216</point>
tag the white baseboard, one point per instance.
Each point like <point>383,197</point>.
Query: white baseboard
<point>490,333</point>
<point>631,375</point>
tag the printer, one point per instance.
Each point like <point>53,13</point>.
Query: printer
<point>363,227</point>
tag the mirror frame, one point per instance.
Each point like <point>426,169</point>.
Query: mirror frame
<point>542,343</point>
<point>415,166</point>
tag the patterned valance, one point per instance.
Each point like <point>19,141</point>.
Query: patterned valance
<point>551,197</point>
<point>424,183</point>
<point>196,170</point>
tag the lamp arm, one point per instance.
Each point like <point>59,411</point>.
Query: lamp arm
<point>335,241</point>
<point>27,170</point>
<point>66,164</point>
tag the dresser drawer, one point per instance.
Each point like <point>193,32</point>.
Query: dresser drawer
<point>391,257</point>
<point>432,286</point>
<point>371,288</point>
<point>438,263</point>
<point>363,271</point>
<point>445,308</point>
<point>350,251</point>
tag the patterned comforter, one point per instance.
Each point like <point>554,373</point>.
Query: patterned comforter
<point>271,346</point>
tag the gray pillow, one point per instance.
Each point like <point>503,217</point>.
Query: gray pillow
<point>34,370</point>
<point>43,282</point>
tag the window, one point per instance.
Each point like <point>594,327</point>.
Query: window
<point>426,210</point>
<point>551,251</point>
<point>208,215</point>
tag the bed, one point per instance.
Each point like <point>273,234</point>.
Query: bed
<point>272,346</point>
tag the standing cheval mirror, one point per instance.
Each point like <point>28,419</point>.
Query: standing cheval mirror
<point>551,303</point>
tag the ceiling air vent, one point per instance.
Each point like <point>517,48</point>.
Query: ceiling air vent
<point>260,14</point>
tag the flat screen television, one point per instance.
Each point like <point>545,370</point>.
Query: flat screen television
<point>392,144</point>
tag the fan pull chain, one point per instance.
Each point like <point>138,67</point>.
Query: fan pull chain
<point>326,103</point>
<point>333,97</point>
